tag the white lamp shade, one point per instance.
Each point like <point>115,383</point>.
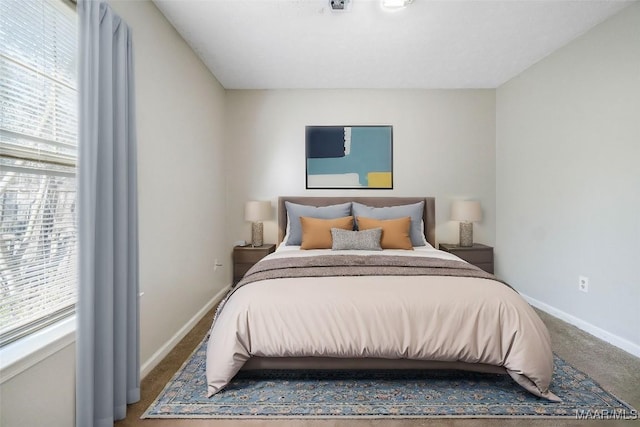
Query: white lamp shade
<point>466,210</point>
<point>256,211</point>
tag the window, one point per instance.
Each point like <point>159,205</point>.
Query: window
<point>38,133</point>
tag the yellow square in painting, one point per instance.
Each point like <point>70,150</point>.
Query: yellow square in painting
<point>379,179</point>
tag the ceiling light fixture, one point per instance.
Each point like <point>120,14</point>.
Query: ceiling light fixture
<point>393,5</point>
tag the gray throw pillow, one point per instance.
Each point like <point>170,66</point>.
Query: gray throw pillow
<point>366,240</point>
<point>392,212</point>
<point>295,211</point>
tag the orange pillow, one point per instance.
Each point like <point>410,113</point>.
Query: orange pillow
<point>316,232</point>
<point>395,232</point>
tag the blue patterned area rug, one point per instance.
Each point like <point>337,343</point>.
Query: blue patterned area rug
<point>379,394</point>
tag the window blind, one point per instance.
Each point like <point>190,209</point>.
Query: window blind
<point>38,133</point>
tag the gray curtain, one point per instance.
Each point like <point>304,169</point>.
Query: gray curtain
<point>107,365</point>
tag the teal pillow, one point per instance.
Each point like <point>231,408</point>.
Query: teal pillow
<point>392,212</point>
<point>295,211</point>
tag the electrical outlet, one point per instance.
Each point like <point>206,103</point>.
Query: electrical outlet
<point>583,284</point>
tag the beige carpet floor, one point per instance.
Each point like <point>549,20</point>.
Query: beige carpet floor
<point>615,370</point>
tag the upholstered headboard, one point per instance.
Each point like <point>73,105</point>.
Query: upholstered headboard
<point>428,216</point>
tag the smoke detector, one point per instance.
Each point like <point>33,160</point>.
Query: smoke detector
<point>340,5</point>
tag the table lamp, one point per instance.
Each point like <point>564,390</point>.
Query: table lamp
<point>256,212</point>
<point>467,212</point>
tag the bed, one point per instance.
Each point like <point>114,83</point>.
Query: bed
<point>370,309</point>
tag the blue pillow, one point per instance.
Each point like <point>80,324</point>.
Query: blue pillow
<point>295,211</point>
<point>392,212</point>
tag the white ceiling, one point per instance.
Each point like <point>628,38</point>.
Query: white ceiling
<point>280,44</point>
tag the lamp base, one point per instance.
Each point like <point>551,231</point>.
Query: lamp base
<point>466,234</point>
<point>256,234</point>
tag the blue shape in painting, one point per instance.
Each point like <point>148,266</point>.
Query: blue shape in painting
<point>325,142</point>
<point>370,151</point>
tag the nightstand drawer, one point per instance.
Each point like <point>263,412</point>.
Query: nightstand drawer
<point>476,256</point>
<point>479,255</point>
<point>486,266</point>
<point>245,257</point>
<point>248,256</point>
<point>239,269</point>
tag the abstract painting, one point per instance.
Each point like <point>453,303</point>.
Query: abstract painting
<point>349,157</point>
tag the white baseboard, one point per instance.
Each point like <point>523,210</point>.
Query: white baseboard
<point>162,352</point>
<point>619,342</point>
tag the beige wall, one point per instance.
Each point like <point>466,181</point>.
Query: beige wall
<point>443,146</point>
<point>180,120</point>
<point>180,113</point>
<point>43,395</point>
<point>568,180</point>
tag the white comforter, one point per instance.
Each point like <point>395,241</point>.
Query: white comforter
<point>432,318</point>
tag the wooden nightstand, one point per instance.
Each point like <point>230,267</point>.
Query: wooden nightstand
<point>244,257</point>
<point>479,255</point>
